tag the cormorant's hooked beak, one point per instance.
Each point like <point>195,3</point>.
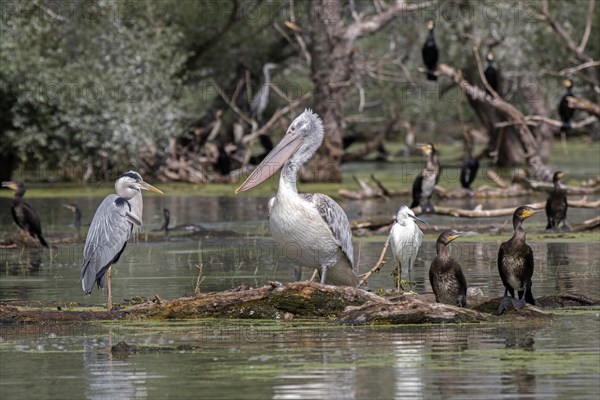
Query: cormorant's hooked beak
<point>530,212</point>
<point>147,186</point>
<point>273,161</point>
<point>10,184</point>
<point>455,235</point>
<point>560,174</point>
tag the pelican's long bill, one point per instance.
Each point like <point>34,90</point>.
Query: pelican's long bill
<point>10,184</point>
<point>147,186</point>
<point>273,161</point>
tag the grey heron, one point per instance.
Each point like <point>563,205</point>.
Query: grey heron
<point>23,214</point>
<point>556,205</point>
<point>110,230</point>
<point>425,181</point>
<point>260,101</point>
<point>445,274</point>
<point>313,225</point>
<point>405,240</point>
<point>515,263</point>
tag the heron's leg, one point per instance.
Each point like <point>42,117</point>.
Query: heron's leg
<point>410,285</point>
<point>399,276</point>
<point>108,274</point>
<point>323,273</point>
<point>297,273</point>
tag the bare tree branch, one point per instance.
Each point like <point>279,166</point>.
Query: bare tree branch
<point>535,120</point>
<point>380,20</point>
<point>572,70</point>
<point>588,27</point>
<point>584,104</point>
<point>538,168</point>
<point>562,33</point>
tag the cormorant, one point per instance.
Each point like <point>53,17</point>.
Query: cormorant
<point>445,275</point>
<point>424,183</point>
<point>515,263</point>
<point>223,163</point>
<point>430,52</point>
<point>491,73</point>
<point>566,112</point>
<point>76,216</point>
<point>23,215</point>
<point>166,220</point>
<point>556,205</point>
<point>468,171</point>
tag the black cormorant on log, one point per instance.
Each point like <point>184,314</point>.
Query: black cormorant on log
<point>556,205</point>
<point>166,220</point>
<point>491,73</point>
<point>445,275</point>
<point>23,215</point>
<point>564,110</point>
<point>424,183</point>
<point>430,52</point>
<point>515,263</point>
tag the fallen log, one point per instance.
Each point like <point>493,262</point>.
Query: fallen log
<point>285,301</point>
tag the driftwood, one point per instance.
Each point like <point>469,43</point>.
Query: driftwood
<point>520,186</point>
<point>285,301</point>
<point>384,223</point>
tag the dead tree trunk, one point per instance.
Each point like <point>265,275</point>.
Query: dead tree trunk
<point>331,49</point>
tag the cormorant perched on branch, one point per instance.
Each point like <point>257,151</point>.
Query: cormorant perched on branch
<point>556,205</point>
<point>491,73</point>
<point>430,52</point>
<point>515,263</point>
<point>445,275</point>
<point>23,215</point>
<point>566,112</point>
<point>424,183</point>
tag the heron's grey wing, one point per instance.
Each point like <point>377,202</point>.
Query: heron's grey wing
<point>337,221</point>
<point>106,240</point>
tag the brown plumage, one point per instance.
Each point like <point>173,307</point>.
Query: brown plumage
<point>445,274</point>
<point>515,263</point>
<point>556,205</point>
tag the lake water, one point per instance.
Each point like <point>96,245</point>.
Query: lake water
<point>297,360</point>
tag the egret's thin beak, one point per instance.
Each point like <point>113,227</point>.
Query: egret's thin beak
<point>147,186</point>
<point>273,161</point>
<point>419,219</point>
<point>10,184</point>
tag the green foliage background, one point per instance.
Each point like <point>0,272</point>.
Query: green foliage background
<point>97,83</point>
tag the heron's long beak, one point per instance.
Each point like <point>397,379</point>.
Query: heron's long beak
<point>419,219</point>
<point>273,161</point>
<point>10,184</point>
<point>147,186</point>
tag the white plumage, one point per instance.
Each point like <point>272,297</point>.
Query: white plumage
<point>405,240</point>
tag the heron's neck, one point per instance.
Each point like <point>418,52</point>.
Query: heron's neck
<point>137,204</point>
<point>267,75</point>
